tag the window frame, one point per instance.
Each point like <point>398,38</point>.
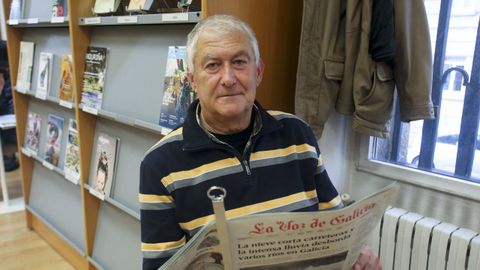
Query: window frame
<point>446,184</point>
<point>457,183</point>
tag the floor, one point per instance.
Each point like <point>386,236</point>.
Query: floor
<point>14,185</point>
<point>21,248</point>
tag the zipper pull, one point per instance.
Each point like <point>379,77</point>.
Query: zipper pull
<point>247,168</point>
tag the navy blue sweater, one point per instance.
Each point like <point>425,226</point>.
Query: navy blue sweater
<point>281,170</point>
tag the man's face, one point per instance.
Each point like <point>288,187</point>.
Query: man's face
<point>225,75</point>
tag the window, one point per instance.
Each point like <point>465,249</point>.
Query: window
<point>469,3</point>
<point>450,144</point>
<point>454,80</point>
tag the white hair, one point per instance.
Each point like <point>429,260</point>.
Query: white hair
<point>221,24</point>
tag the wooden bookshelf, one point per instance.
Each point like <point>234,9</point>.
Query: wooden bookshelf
<point>277,25</point>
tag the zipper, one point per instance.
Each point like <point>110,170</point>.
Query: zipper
<point>247,167</point>
<point>240,158</point>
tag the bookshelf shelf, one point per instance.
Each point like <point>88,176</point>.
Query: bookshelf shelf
<point>166,18</point>
<point>132,213</point>
<point>125,120</point>
<point>35,23</point>
<point>79,225</point>
<point>117,204</point>
<point>47,165</point>
<point>95,263</point>
<point>51,99</point>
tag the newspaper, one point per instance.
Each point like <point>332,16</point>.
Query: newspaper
<point>291,240</point>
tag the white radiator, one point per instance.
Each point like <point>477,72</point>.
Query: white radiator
<point>409,241</point>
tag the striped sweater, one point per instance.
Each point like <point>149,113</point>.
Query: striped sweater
<point>281,170</point>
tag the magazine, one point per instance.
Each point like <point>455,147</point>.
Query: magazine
<point>44,75</point>
<point>103,7</point>
<point>54,139</point>
<point>143,6</point>
<point>25,66</point>
<point>177,92</point>
<point>16,10</point>
<point>104,165</point>
<point>66,80</point>
<point>94,77</point>
<point>136,5</point>
<point>59,8</point>
<point>71,165</point>
<point>32,137</point>
<point>289,240</point>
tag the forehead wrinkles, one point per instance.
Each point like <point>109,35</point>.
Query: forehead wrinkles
<point>210,56</point>
<point>209,42</point>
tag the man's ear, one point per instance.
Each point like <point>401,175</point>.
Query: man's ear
<point>260,69</point>
<point>191,80</point>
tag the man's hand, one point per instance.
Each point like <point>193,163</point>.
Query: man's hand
<point>367,260</point>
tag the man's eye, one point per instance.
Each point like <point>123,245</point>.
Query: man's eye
<point>239,62</point>
<point>211,65</point>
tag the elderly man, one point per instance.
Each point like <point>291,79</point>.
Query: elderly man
<point>268,161</point>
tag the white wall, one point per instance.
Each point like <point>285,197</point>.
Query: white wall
<point>336,150</point>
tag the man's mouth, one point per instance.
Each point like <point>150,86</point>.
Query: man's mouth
<point>230,95</point>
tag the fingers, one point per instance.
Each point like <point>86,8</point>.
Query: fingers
<point>367,260</point>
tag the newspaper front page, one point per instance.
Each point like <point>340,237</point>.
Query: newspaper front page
<point>299,240</point>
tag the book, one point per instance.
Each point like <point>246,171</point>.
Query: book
<point>16,10</point>
<point>94,77</point>
<point>177,92</point>
<point>66,79</point>
<point>59,8</point>
<point>142,6</point>
<point>288,240</point>
<point>103,7</point>
<point>71,164</point>
<point>53,139</point>
<point>44,74</point>
<point>184,3</point>
<point>104,165</point>
<point>135,5</point>
<point>32,136</point>
<point>25,66</point>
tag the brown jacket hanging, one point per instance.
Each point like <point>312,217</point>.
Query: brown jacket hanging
<point>335,69</point>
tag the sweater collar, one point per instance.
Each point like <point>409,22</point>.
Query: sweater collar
<point>196,137</point>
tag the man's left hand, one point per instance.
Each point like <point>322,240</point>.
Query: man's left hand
<point>367,260</point>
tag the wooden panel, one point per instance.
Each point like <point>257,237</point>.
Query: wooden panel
<point>80,40</point>
<point>67,251</point>
<point>277,26</point>
<point>20,102</point>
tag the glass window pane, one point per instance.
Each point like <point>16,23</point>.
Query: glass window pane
<point>460,48</point>
<point>476,161</point>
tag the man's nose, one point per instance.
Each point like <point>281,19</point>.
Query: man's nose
<point>228,76</point>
